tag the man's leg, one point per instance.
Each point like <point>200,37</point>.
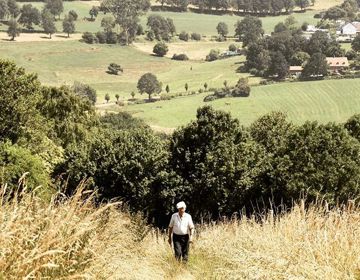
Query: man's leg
<point>185,248</point>
<point>177,246</point>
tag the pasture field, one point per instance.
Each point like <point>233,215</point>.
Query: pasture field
<point>324,101</point>
<point>64,62</point>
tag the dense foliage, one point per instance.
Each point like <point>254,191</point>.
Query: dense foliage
<point>50,136</point>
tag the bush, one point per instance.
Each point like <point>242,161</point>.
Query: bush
<point>242,88</point>
<point>184,36</point>
<point>210,98</point>
<point>253,71</point>
<point>351,54</point>
<point>101,37</point>
<point>114,69</point>
<point>213,55</point>
<point>180,57</point>
<point>111,38</point>
<point>150,35</point>
<point>233,48</point>
<point>160,49</point>
<point>195,36</point>
<point>89,38</point>
<point>73,15</point>
<point>140,30</point>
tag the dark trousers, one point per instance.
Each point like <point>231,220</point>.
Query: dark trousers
<point>181,246</point>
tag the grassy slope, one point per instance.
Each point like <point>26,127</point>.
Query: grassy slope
<point>321,100</point>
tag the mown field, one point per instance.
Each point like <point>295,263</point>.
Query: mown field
<point>324,101</point>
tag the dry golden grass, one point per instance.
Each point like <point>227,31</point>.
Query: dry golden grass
<point>74,240</point>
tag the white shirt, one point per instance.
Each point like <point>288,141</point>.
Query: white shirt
<point>181,225</point>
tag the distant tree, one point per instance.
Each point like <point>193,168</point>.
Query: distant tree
<point>351,54</point>
<point>186,87</point>
<point>4,9</point>
<point>114,69</point>
<point>316,67</point>
<point>14,29</point>
<point>289,5</point>
<point>233,48</point>
<point>304,26</point>
<point>107,97</point>
<point>163,28</point>
<point>68,25</point>
<point>148,83</point>
<point>299,58</point>
<point>222,29</point>
<point>13,8</point>
<point>225,83</point>
<point>167,89</point>
<point>48,22</point>
<point>108,23</point>
<point>278,67</point>
<point>303,4</point>
<point>205,86</point>
<point>127,13</point>
<point>72,14</point>
<point>355,45</point>
<point>88,38</point>
<point>242,88</point>
<point>249,30</point>
<point>195,36</point>
<point>280,27</point>
<point>335,13</point>
<point>133,94</point>
<point>213,55</point>
<point>94,11</point>
<point>29,15</point>
<point>56,7</point>
<point>184,36</point>
<point>160,49</point>
<point>117,96</point>
<point>85,91</point>
<point>290,22</point>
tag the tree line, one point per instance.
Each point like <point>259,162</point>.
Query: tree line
<point>213,163</point>
<point>244,6</point>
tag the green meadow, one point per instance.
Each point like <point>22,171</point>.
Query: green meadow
<point>324,101</point>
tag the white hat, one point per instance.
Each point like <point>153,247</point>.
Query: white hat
<point>181,204</point>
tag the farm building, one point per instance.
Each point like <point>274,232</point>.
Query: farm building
<point>295,70</point>
<point>337,63</point>
<point>351,28</point>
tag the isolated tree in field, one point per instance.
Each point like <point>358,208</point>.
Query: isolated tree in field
<point>13,8</point>
<point>107,97</point>
<point>73,14</point>
<point>114,69</point>
<point>186,87</point>
<point>316,67</point>
<point>213,55</point>
<point>132,94</point>
<point>303,4</point>
<point>167,89</point>
<point>117,96</point>
<point>68,26</point>
<point>14,29</point>
<point>205,86</point>
<point>48,22</point>
<point>249,30</point>
<point>148,83</point>
<point>127,13</point>
<point>222,29</point>
<point>160,49</point>
<point>225,83</point>
<point>29,15</point>
<point>94,11</point>
<point>279,66</point>
<point>4,9</point>
<point>356,43</point>
<point>56,7</point>
<point>242,88</point>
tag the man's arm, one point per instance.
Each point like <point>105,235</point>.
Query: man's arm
<point>192,229</point>
<point>170,233</point>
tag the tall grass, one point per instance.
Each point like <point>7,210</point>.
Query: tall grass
<point>72,239</point>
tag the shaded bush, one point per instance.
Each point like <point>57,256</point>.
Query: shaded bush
<point>184,36</point>
<point>89,38</point>
<point>195,36</point>
<point>180,57</point>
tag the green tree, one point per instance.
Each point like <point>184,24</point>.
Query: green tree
<point>56,7</point>
<point>4,9</point>
<point>160,49</point>
<point>167,89</point>
<point>299,58</point>
<point>316,67</point>
<point>29,15</point>
<point>303,4</point>
<point>13,29</point>
<point>242,88</point>
<point>289,5</point>
<point>335,13</point>
<point>114,69</point>
<point>85,90</point>
<point>222,29</point>
<point>249,30</point>
<point>213,55</point>
<point>186,87</point>
<point>148,83</point>
<point>19,96</point>
<point>205,86</point>
<point>108,23</point>
<point>107,97</point>
<point>127,13</point>
<point>117,96</point>
<point>278,67</point>
<point>73,14</point>
<point>94,11</point>
<point>13,8</point>
<point>355,44</point>
<point>48,22</point>
<point>162,28</point>
<point>68,25</point>
<point>352,125</point>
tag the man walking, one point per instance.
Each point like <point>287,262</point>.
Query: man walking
<point>181,228</point>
